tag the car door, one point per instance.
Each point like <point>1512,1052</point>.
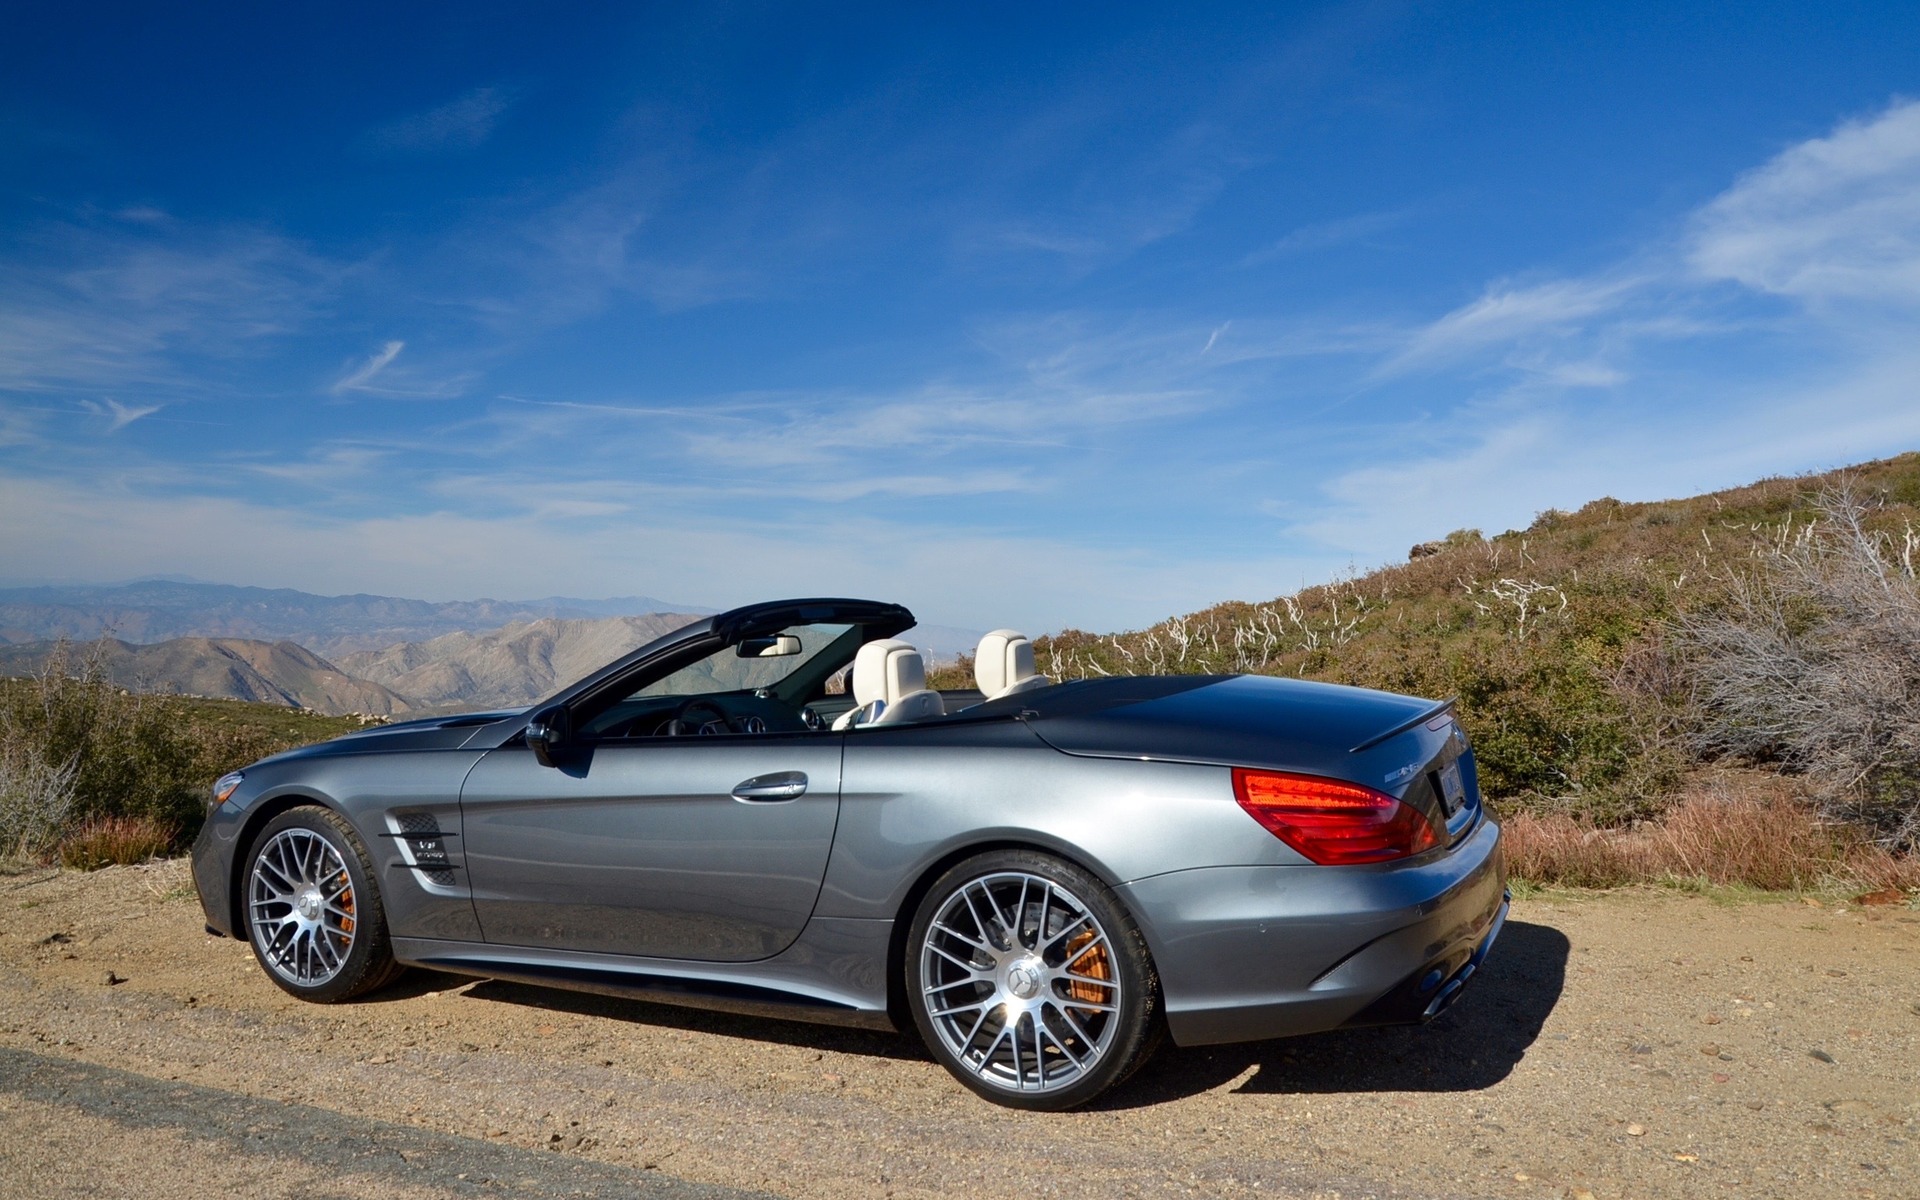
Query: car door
<point>709,848</point>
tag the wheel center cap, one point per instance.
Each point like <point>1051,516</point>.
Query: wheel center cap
<point>1024,979</point>
<point>310,904</point>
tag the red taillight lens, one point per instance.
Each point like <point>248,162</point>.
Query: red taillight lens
<point>1332,822</point>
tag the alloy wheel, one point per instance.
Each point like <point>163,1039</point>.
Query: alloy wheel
<point>1018,979</point>
<point>301,905</point>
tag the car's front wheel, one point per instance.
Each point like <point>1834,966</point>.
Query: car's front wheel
<point>1030,982</point>
<point>313,908</point>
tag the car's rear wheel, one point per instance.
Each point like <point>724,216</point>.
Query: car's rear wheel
<point>1030,982</point>
<point>313,908</point>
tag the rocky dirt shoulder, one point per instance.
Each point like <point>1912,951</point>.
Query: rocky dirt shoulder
<point>1620,1044</point>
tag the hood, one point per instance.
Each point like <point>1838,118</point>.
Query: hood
<point>448,732</point>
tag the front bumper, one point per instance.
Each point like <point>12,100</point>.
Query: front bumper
<point>1250,953</point>
<point>212,869</point>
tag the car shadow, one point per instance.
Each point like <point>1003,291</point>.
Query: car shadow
<point>1473,1045</point>
<point>871,1043</point>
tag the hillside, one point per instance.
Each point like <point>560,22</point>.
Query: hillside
<point>224,668</point>
<point>1555,637</point>
<point>506,667</point>
<point>158,611</point>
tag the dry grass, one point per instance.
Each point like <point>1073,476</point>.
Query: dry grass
<point>1744,829</point>
<point>108,841</point>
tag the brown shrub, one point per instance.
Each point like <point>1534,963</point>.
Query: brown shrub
<point>107,841</point>
<point>1739,829</point>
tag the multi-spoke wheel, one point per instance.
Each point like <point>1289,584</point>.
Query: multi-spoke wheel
<point>313,909</point>
<point>1030,982</point>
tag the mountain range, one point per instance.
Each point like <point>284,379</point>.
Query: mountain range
<point>159,610</point>
<point>382,655</point>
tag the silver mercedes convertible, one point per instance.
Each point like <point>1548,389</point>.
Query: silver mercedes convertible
<point>768,811</point>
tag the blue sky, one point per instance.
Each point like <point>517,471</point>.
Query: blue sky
<point>1075,317</point>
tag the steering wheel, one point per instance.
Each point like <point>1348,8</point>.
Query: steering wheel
<point>677,726</point>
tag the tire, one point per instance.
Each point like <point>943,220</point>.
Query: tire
<point>1019,934</point>
<point>313,910</point>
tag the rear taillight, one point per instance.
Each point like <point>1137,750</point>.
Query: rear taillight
<point>1330,821</point>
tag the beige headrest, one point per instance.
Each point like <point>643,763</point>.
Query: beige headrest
<point>887,670</point>
<point>1005,658</point>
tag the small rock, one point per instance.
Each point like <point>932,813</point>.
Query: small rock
<point>1710,1019</point>
<point>111,980</point>
<point>53,939</point>
<point>1822,1055</point>
<point>1636,1130</point>
<point>1722,1077</point>
<point>1683,1156</point>
<point>380,1060</point>
<point>1836,974</point>
<point>1579,1194</point>
<point>1710,1049</point>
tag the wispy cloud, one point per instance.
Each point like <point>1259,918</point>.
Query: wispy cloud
<point>1696,324</point>
<point>119,415</point>
<point>462,123</point>
<point>1833,218</point>
<point>360,377</point>
<point>96,308</point>
<point>1325,235</point>
<point>1506,314</point>
<point>377,376</point>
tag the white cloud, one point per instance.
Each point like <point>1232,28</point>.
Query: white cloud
<point>1506,314</point>
<point>959,577</point>
<point>119,415</point>
<point>1325,235</point>
<point>358,379</point>
<point>378,377</point>
<point>460,124</point>
<point>1836,217</point>
<point>110,309</point>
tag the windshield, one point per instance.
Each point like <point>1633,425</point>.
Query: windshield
<point>772,660</point>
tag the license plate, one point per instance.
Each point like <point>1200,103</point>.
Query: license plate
<point>1453,789</point>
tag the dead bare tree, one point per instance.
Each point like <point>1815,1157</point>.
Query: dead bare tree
<point>1815,664</point>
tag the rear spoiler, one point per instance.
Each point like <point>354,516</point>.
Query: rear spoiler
<point>1420,718</point>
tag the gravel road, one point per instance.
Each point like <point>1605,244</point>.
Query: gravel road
<point>1639,1044</point>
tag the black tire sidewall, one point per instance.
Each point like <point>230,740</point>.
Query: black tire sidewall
<point>370,960</point>
<point>1140,1006</point>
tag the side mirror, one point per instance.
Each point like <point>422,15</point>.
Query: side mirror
<point>768,647</point>
<point>548,734</point>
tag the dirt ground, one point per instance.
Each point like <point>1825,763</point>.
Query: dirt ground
<point>1640,1044</point>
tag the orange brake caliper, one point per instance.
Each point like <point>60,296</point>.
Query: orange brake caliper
<point>1091,963</point>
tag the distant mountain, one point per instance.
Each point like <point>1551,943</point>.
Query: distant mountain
<point>158,610</point>
<point>232,668</point>
<point>509,667</point>
<point>361,653</point>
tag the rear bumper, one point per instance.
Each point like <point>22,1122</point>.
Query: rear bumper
<point>1249,953</point>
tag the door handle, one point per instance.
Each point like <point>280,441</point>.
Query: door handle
<point>781,785</point>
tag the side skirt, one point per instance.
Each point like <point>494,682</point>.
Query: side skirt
<point>821,979</point>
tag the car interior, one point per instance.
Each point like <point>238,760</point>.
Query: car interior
<point>798,680</point>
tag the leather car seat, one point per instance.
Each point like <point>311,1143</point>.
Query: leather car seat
<point>1003,665</point>
<point>890,686</point>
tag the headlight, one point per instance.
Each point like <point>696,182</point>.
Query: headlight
<point>225,786</point>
